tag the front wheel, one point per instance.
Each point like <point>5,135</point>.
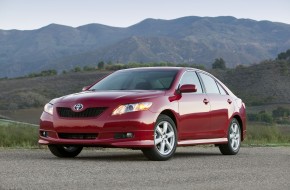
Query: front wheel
<point>65,151</point>
<point>234,139</point>
<point>165,140</point>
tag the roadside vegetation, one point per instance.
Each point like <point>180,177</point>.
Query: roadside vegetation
<point>21,135</point>
<point>18,135</point>
<point>261,134</point>
<point>280,115</point>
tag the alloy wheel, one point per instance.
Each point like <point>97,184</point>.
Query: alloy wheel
<point>234,136</point>
<point>164,138</point>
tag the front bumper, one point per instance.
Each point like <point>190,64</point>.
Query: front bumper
<point>140,124</point>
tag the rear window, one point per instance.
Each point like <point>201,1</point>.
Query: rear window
<point>210,84</point>
<point>222,90</point>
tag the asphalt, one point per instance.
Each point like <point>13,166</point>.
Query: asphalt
<point>191,168</point>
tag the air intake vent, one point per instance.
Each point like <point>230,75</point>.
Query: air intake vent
<point>89,112</point>
<point>87,136</point>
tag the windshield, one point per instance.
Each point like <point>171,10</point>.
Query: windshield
<point>137,80</point>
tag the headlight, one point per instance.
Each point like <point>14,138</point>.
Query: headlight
<point>48,108</point>
<point>132,107</point>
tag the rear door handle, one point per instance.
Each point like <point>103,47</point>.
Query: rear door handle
<point>229,101</point>
<point>205,101</point>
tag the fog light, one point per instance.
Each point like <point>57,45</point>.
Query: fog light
<point>44,133</point>
<point>123,135</point>
<point>130,135</point>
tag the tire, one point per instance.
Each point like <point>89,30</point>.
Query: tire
<point>234,139</point>
<point>65,151</point>
<point>165,140</point>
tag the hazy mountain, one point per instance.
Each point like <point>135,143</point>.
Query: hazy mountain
<point>196,40</point>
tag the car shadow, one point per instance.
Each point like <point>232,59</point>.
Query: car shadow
<point>132,156</point>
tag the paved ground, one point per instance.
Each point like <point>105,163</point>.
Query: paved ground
<point>191,168</point>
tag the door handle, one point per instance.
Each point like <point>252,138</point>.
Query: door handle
<point>229,101</point>
<point>205,101</point>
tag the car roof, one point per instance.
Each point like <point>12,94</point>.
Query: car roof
<point>158,68</point>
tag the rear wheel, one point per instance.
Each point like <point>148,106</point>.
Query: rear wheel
<point>234,139</point>
<point>65,151</point>
<point>165,140</point>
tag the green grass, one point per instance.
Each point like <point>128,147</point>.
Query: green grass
<point>259,134</point>
<point>15,134</point>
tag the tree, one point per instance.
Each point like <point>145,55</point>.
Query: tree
<point>284,55</point>
<point>77,69</point>
<point>101,65</point>
<point>281,112</point>
<point>219,63</point>
<point>51,72</point>
<point>267,118</point>
<point>88,68</point>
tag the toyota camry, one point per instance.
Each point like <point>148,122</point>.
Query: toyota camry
<point>151,109</point>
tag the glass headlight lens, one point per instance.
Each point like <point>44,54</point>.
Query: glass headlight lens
<point>48,108</point>
<point>132,108</point>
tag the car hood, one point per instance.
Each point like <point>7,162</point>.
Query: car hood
<point>109,96</point>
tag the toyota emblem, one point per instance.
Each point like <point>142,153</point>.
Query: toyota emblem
<point>78,107</point>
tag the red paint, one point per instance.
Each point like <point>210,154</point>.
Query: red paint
<point>197,116</point>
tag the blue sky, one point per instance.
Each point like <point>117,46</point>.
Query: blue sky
<point>32,14</point>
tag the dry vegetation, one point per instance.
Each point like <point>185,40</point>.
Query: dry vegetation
<point>263,87</point>
<point>35,92</point>
<point>262,84</point>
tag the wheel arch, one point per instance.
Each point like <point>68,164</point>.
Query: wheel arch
<point>239,119</point>
<point>172,115</point>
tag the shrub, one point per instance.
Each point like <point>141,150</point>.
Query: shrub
<point>266,134</point>
<point>18,135</point>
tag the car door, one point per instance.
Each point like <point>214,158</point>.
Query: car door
<point>194,110</point>
<point>220,103</point>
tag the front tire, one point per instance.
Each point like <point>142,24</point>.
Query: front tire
<point>65,151</point>
<point>234,139</point>
<point>165,140</point>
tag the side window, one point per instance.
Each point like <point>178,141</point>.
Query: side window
<point>191,78</point>
<point>222,90</point>
<point>210,84</point>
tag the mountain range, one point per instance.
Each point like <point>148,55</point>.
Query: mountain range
<point>196,40</point>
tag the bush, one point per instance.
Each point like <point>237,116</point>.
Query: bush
<point>260,117</point>
<point>76,69</point>
<point>281,112</point>
<point>87,68</point>
<point>18,135</point>
<point>262,134</point>
<point>43,73</point>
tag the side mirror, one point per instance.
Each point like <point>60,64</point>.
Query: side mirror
<point>187,88</point>
<point>85,88</point>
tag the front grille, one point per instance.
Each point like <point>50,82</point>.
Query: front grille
<point>89,112</point>
<point>87,136</point>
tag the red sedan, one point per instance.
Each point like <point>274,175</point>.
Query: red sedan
<point>152,109</point>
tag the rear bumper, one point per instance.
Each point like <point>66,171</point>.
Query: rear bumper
<point>105,128</point>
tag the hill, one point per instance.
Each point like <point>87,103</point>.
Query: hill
<point>261,84</point>
<point>197,40</point>
<point>34,92</point>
